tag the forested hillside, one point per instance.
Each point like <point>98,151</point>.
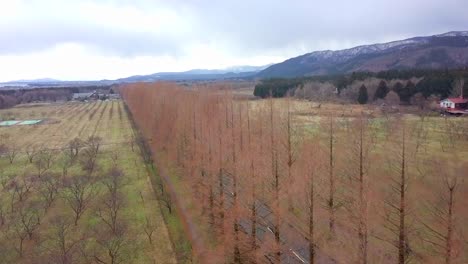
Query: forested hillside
<point>406,84</point>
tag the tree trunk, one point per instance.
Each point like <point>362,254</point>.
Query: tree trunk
<point>274,161</point>
<point>311,223</point>
<point>362,230</point>
<point>448,253</point>
<point>331,198</point>
<point>402,209</point>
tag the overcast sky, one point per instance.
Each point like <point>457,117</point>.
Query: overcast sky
<point>97,39</point>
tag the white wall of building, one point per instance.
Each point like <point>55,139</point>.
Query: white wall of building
<point>447,104</point>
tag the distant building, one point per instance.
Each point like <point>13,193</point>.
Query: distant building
<point>83,96</point>
<point>113,96</point>
<point>454,104</point>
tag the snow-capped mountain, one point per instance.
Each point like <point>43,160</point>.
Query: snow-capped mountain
<point>448,50</point>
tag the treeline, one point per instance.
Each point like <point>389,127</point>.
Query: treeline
<point>10,98</point>
<point>432,82</point>
<point>276,87</point>
<point>258,186</point>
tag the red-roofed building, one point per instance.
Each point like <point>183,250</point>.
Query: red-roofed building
<point>451,104</point>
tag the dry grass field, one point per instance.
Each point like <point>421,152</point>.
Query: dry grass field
<point>121,221</point>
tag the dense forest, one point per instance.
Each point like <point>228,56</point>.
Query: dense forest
<point>264,182</point>
<point>410,82</point>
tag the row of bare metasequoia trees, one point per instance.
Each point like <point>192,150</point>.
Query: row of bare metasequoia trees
<point>266,187</point>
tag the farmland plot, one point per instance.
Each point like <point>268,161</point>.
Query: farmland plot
<point>74,189</point>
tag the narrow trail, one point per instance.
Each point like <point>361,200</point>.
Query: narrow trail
<point>133,128</point>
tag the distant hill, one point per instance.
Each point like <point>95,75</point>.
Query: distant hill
<point>235,72</point>
<point>43,80</point>
<point>199,74</point>
<point>186,76</point>
<point>449,50</point>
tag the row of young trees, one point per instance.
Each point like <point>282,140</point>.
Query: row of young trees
<point>269,188</point>
<point>42,209</point>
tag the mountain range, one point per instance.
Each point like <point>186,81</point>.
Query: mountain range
<point>448,50</point>
<point>234,72</point>
<point>199,74</point>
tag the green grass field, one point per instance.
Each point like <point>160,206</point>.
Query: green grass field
<point>20,193</point>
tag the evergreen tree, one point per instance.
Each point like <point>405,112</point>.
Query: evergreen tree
<point>363,97</point>
<point>381,91</point>
<point>406,92</point>
<point>398,87</point>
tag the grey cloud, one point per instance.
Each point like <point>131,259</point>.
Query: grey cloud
<point>248,28</point>
<point>275,25</point>
<point>20,39</point>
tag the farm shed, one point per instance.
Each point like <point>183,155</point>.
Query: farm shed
<point>454,103</point>
<point>83,96</point>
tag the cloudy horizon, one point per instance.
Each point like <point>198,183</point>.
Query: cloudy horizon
<point>105,39</point>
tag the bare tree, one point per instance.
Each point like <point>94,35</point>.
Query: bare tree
<point>397,207</point>
<point>5,179</point>
<point>29,219</point>
<point>79,191</point>
<point>43,161</point>
<point>113,199</point>
<point>220,176</point>
<point>115,246</point>
<point>18,234</point>
<point>74,147</point>
<point>443,213</point>
<point>31,152</point>
<point>94,143</point>
<point>149,229</point>
<point>19,187</point>
<point>310,161</point>
<point>361,144</point>
<point>49,187</point>
<point>253,178</point>
<point>211,183</point>
<point>331,203</point>
<point>363,190</point>
<point>458,87</point>
<point>62,245</point>
<point>90,154</point>
<point>164,198</point>
<point>114,156</point>
<point>234,176</point>
<point>12,152</point>
<point>3,215</point>
<point>65,162</point>
<point>3,150</point>
<point>276,182</point>
<point>291,152</point>
<point>403,249</point>
<point>4,139</point>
